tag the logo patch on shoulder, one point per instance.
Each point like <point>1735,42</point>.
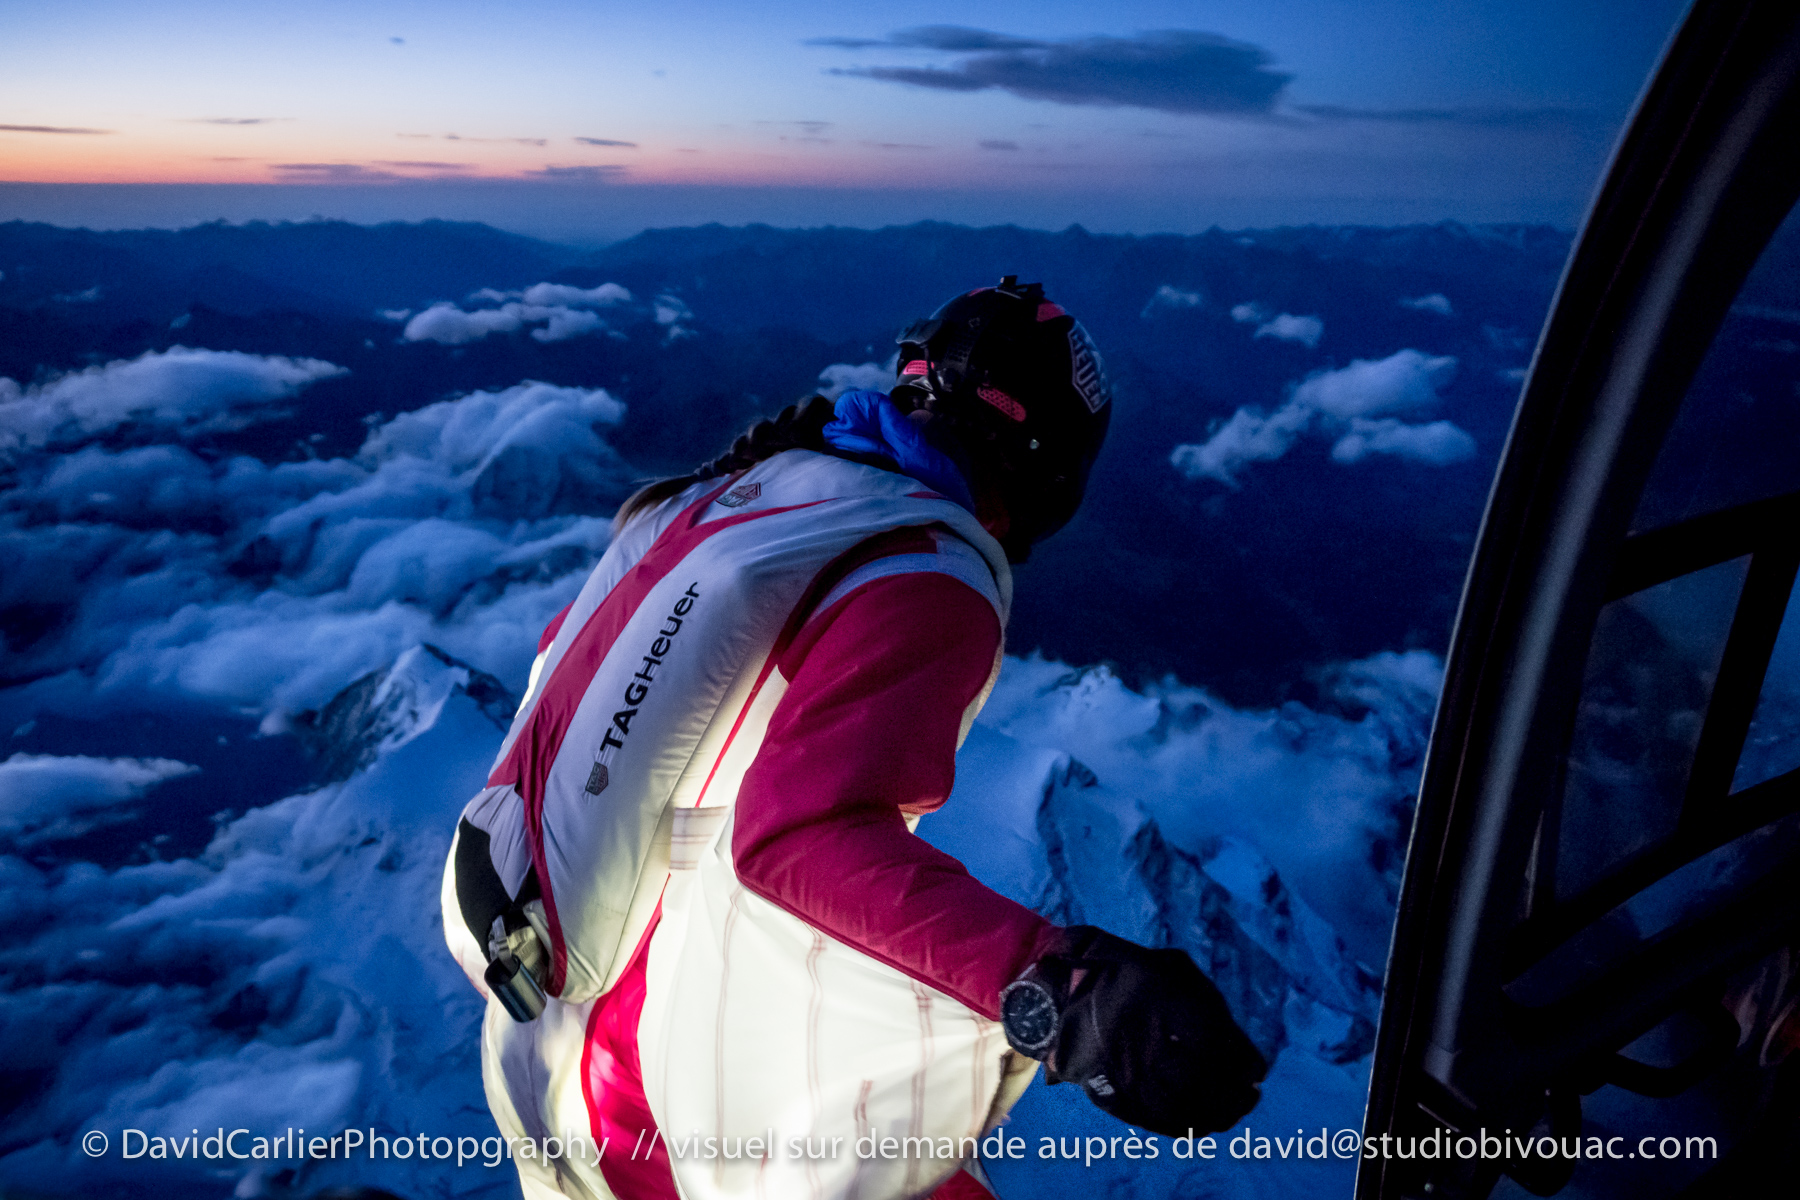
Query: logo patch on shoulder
<point>740,495</point>
<point>1088,376</point>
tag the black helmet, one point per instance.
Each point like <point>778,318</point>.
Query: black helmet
<point>1020,387</point>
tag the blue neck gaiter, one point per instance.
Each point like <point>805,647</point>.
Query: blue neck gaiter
<point>868,423</point>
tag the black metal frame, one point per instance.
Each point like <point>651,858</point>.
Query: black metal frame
<point>1700,181</point>
<point>1769,532</point>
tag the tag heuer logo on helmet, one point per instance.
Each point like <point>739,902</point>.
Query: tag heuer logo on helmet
<point>741,495</point>
<point>1088,375</point>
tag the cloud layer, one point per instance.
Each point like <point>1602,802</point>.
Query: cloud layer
<point>1171,70</point>
<point>266,588</point>
<point>179,389</point>
<point>1349,405</point>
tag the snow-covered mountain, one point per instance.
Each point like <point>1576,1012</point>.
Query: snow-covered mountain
<point>388,708</point>
<point>1172,837</point>
<point>1082,853</point>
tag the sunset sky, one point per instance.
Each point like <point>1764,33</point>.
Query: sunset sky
<point>1139,115</point>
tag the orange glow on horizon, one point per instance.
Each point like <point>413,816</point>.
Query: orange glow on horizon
<point>199,153</point>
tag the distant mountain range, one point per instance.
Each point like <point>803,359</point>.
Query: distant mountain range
<point>324,268</point>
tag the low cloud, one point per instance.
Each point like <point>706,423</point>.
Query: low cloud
<point>450,325</point>
<point>590,141</point>
<point>1169,297</point>
<point>1439,443</point>
<point>1285,327</point>
<point>839,378</point>
<point>234,120</point>
<point>1246,437</point>
<point>1348,405</point>
<point>997,144</point>
<point>604,296</point>
<point>51,797</point>
<point>1436,302</point>
<point>1288,328</point>
<point>566,323</point>
<point>1406,380</point>
<point>181,389</point>
<point>1170,70</point>
<point>558,311</point>
<point>671,312</point>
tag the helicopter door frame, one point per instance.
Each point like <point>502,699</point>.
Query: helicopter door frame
<point>1698,184</point>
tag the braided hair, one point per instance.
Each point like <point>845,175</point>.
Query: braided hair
<point>797,427</point>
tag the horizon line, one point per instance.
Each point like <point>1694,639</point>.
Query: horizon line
<point>603,213</point>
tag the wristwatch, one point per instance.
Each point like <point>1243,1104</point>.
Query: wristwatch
<point>1031,1015</point>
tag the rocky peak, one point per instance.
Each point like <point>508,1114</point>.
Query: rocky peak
<point>388,708</point>
<point>1284,970</point>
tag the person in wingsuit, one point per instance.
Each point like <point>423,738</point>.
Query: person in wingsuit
<point>691,890</point>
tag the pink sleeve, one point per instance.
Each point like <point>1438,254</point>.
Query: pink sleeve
<point>866,731</point>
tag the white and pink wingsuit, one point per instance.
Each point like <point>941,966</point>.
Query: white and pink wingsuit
<point>713,778</point>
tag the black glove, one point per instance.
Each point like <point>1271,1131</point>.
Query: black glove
<point>1145,1034</point>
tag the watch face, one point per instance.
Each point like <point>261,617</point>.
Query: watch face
<point>1029,1014</point>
